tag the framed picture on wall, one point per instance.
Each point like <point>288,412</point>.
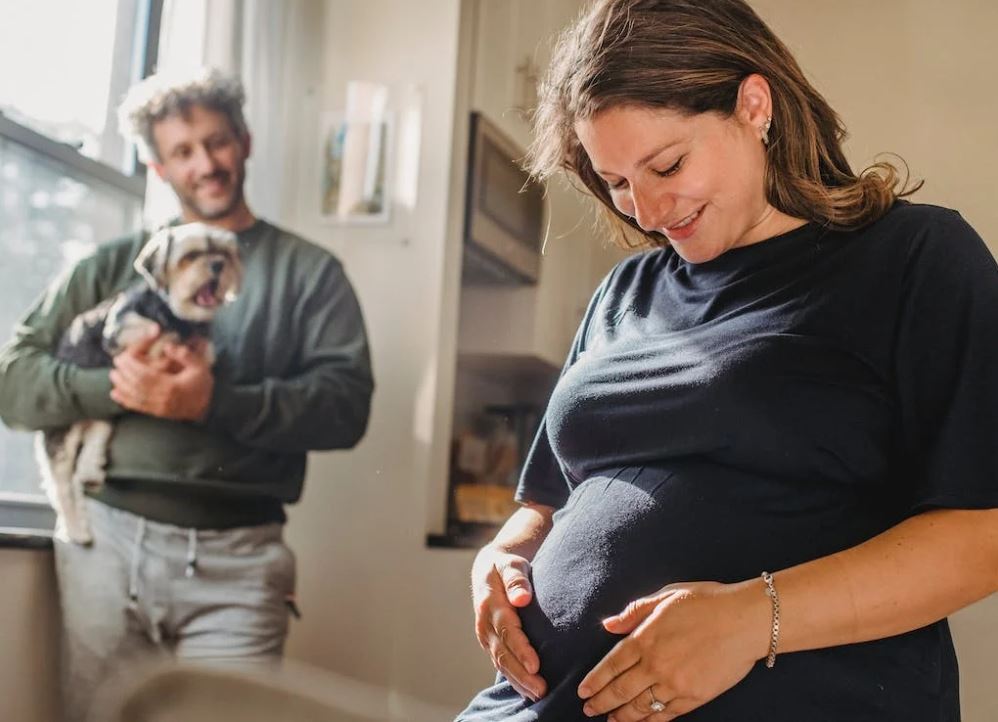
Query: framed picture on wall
<point>354,183</point>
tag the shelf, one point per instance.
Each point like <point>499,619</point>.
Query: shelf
<point>463,535</point>
<point>519,366</point>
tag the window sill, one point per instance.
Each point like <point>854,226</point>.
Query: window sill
<point>25,515</point>
<point>25,538</point>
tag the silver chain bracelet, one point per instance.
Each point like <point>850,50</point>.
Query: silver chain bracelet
<point>767,578</point>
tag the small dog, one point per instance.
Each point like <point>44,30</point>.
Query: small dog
<point>188,273</point>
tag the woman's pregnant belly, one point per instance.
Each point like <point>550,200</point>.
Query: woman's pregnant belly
<point>631,531</point>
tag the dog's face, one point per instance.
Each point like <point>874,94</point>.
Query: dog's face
<point>195,266</point>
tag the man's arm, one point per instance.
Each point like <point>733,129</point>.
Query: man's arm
<point>36,390</point>
<point>326,405</point>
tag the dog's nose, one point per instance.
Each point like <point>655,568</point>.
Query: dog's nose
<point>217,266</point>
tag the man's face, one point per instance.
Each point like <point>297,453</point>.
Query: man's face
<point>204,161</point>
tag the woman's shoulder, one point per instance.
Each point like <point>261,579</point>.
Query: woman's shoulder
<point>913,232</point>
<point>934,242</point>
<point>917,221</point>
<point>906,210</point>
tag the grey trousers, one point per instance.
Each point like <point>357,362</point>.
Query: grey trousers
<point>145,590</point>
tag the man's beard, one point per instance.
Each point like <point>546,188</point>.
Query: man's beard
<point>213,212</point>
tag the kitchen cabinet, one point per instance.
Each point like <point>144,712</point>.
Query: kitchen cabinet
<point>513,337</point>
<point>512,46</point>
<point>541,319</point>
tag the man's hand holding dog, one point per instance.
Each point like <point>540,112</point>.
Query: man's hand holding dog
<point>177,385</point>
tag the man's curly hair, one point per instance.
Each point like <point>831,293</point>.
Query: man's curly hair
<point>161,96</point>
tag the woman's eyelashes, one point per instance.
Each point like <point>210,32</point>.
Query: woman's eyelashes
<point>670,171</point>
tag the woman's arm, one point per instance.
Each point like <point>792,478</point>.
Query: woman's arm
<point>500,582</point>
<point>914,574</point>
<point>691,642</point>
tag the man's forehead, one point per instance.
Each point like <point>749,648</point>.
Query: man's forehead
<point>190,121</point>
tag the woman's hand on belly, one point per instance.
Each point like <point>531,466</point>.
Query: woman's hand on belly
<point>685,645</point>
<point>500,583</point>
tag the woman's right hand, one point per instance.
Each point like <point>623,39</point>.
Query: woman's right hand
<point>500,583</point>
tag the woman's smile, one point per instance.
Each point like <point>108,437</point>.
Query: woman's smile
<point>686,227</point>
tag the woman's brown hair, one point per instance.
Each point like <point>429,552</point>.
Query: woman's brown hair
<point>690,56</point>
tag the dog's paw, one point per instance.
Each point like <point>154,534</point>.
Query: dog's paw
<point>77,530</point>
<point>89,473</point>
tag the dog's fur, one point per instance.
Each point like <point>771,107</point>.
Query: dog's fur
<point>188,272</point>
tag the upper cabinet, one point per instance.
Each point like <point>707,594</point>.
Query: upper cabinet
<point>512,47</point>
<point>540,320</point>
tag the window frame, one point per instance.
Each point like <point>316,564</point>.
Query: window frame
<point>67,156</point>
<point>23,514</point>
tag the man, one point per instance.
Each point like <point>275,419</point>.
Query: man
<point>188,557</point>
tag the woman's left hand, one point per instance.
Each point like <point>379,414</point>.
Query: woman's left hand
<point>685,645</point>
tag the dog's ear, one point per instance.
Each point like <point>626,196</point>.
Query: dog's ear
<point>154,258</point>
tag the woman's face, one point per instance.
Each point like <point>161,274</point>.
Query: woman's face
<point>698,180</point>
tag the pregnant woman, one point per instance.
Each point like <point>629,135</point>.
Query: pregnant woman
<point>768,471</point>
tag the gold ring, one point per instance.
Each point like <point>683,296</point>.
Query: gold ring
<point>502,634</point>
<point>499,660</point>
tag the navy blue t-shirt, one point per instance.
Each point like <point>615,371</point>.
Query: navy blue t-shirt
<point>784,401</point>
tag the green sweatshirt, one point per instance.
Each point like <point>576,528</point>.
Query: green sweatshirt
<point>292,375</point>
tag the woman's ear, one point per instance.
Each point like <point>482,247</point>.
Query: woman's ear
<point>755,103</point>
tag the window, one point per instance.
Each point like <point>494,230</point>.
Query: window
<point>83,57</point>
<point>67,179</point>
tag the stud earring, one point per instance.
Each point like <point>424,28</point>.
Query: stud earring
<point>765,130</point>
